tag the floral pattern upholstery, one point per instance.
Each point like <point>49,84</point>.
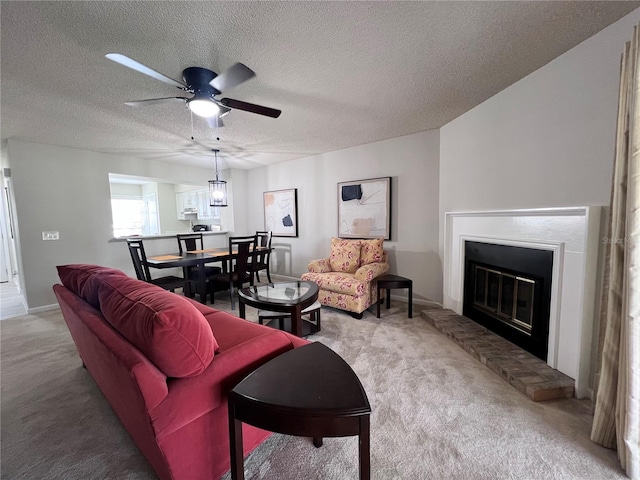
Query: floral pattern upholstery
<point>367,273</point>
<point>319,266</point>
<point>345,255</point>
<point>353,291</point>
<point>371,251</point>
<point>340,283</point>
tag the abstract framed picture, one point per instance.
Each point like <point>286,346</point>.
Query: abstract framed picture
<point>281,212</point>
<point>364,208</point>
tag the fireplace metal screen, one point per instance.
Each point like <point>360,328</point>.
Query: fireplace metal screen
<point>508,290</point>
<point>510,298</point>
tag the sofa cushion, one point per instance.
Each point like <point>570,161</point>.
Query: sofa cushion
<point>345,255</point>
<point>167,328</point>
<point>371,251</point>
<point>84,280</point>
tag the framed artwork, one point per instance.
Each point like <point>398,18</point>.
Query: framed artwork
<point>281,212</point>
<point>364,208</point>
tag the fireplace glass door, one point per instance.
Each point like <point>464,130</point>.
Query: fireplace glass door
<point>508,290</point>
<point>510,298</point>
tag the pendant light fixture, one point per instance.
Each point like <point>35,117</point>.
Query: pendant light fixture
<point>217,188</point>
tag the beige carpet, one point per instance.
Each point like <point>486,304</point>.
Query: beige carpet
<point>437,413</point>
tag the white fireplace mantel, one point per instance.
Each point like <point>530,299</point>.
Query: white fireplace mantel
<point>572,235</point>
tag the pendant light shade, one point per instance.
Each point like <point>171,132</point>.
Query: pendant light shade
<point>217,188</point>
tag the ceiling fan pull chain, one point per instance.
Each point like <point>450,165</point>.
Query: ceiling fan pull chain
<point>191,115</point>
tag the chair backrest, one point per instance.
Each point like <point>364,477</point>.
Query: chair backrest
<point>246,247</point>
<point>189,241</point>
<point>263,239</point>
<point>139,259</point>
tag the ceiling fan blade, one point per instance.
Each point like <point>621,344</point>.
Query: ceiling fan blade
<point>232,77</point>
<point>215,121</point>
<point>138,67</point>
<point>155,101</point>
<point>250,107</point>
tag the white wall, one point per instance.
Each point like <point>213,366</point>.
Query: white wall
<point>545,141</point>
<point>411,161</point>
<point>167,211</point>
<point>67,190</point>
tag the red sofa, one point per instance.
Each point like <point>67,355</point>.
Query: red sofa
<point>165,364</point>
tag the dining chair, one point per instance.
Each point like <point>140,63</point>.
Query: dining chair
<point>188,242</point>
<point>139,258</point>
<point>237,274</point>
<point>261,259</point>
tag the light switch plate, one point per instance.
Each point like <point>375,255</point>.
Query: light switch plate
<point>50,235</point>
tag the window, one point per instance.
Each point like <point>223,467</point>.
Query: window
<point>135,216</point>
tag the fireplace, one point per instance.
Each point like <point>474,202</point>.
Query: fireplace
<point>572,235</point>
<point>507,289</point>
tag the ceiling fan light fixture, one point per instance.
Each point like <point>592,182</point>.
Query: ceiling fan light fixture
<point>203,107</point>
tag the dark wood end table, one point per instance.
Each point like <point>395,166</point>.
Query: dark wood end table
<point>387,282</point>
<point>309,392</point>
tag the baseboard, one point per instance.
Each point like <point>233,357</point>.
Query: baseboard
<point>417,301</point>
<point>283,278</point>
<point>401,298</point>
<point>44,308</point>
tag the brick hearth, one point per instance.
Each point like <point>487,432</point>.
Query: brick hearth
<point>528,374</point>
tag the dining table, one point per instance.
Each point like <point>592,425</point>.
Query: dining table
<point>193,258</point>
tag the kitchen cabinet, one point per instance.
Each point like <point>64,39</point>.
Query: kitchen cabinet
<point>205,211</point>
<point>187,205</point>
<point>196,202</point>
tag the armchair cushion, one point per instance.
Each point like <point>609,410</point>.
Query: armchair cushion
<point>371,251</point>
<point>345,255</point>
<point>338,282</point>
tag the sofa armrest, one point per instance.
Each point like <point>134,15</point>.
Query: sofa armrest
<point>321,265</point>
<point>193,397</point>
<point>371,271</point>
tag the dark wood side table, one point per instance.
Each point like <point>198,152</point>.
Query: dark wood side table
<point>309,392</point>
<point>388,282</point>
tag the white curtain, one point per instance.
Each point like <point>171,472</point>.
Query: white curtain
<point>616,422</point>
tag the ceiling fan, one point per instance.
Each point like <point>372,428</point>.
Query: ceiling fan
<point>204,85</point>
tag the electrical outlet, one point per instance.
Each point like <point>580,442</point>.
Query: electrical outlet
<point>50,235</point>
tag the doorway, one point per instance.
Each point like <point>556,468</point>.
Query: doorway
<point>13,302</point>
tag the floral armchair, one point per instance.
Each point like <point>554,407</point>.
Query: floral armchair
<point>347,278</point>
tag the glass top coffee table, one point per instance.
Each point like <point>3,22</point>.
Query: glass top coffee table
<point>289,297</point>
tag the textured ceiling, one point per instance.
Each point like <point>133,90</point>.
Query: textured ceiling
<point>343,73</point>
